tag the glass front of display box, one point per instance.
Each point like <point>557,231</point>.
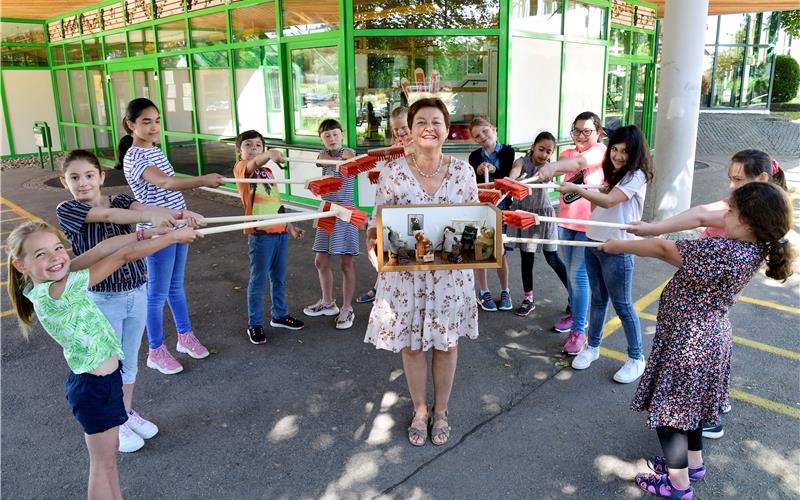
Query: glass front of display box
<point>439,237</point>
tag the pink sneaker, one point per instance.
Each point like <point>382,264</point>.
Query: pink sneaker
<point>188,344</point>
<point>574,343</point>
<point>564,324</point>
<point>160,359</point>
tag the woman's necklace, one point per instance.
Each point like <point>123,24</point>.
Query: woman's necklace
<point>431,175</point>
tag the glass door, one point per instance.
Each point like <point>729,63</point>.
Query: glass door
<point>127,82</point>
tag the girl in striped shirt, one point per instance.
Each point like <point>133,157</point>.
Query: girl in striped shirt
<point>153,181</point>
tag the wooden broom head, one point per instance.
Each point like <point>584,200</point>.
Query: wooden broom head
<point>349,214</point>
<point>387,154</point>
<point>489,196</point>
<point>324,185</point>
<point>355,166</point>
<point>373,176</point>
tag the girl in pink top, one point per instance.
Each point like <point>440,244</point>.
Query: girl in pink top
<point>586,131</point>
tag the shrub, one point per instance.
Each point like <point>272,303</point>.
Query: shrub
<point>787,79</point>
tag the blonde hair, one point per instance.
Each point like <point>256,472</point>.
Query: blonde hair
<point>17,282</point>
<point>480,121</point>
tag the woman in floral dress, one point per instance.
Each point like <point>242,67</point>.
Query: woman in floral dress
<point>416,311</point>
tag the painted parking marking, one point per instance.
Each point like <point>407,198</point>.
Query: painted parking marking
<point>614,323</point>
<point>11,219</point>
<point>771,305</point>
<point>18,209</point>
<point>7,312</point>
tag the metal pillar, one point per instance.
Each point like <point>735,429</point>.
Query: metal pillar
<point>684,29</point>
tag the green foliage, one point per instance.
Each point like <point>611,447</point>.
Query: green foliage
<point>787,79</point>
<point>790,22</point>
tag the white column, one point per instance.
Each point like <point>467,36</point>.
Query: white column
<point>684,31</point>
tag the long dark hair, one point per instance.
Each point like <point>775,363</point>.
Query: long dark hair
<point>767,212</point>
<point>132,112</point>
<point>755,162</point>
<point>79,154</point>
<point>638,155</point>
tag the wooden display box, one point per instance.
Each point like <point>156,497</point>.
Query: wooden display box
<point>406,220</point>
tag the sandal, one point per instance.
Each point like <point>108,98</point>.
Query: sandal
<point>439,433</point>
<point>367,296</point>
<point>416,435</point>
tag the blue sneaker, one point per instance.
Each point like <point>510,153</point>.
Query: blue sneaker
<point>505,301</point>
<point>487,302</point>
<point>366,297</point>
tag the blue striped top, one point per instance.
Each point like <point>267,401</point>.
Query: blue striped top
<point>135,163</point>
<point>85,235</point>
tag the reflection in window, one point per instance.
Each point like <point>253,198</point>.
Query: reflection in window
<point>583,82</point>
<point>536,15</point>
<point>301,17</point>
<point>616,95</point>
<point>733,28</point>
<point>70,138</point>
<point>23,56</point>
<point>141,42</point>
<point>105,147</point>
<point>258,91</point>
<point>210,29</point>
<point>63,96</point>
<point>588,21</point>
<point>73,51</point>
<point>86,138</point>
<point>176,92</point>
<point>642,44</point>
<point>97,95</point>
<point>115,46</point>
<point>217,156</point>
<point>171,36</point>
<point>182,154</point>
<point>395,71</point>
<point>213,96</point>
<point>253,23</point>
<point>382,14</point>
<point>728,78</point>
<point>91,49</point>
<point>533,99</point>
<point>58,55</point>
<point>315,85</point>
<point>80,97</point>
<point>21,32</point>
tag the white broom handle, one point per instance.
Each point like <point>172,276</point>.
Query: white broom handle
<point>236,180</point>
<point>264,223</point>
<point>553,185</point>
<point>594,223</point>
<point>245,218</point>
<point>334,163</point>
<point>568,243</point>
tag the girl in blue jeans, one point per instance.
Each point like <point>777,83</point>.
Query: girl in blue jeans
<point>153,182</point>
<point>626,167</point>
<point>87,220</point>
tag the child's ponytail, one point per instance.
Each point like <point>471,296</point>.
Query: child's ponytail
<point>755,162</point>
<point>767,212</point>
<point>125,143</point>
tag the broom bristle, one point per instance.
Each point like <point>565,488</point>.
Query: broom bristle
<point>357,217</point>
<point>357,165</point>
<point>489,196</point>
<point>515,189</point>
<point>373,176</point>
<point>325,185</point>
<point>387,154</point>
<point>527,219</point>
<point>327,224</point>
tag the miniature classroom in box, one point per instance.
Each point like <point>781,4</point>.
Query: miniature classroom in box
<point>439,237</point>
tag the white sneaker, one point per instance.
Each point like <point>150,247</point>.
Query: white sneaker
<point>586,357</point>
<point>141,426</point>
<point>630,371</point>
<point>129,441</point>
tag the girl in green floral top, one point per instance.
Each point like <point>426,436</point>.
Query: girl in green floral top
<point>43,279</point>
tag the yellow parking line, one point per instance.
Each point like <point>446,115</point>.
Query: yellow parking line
<point>12,219</point>
<point>795,356</point>
<point>768,404</point>
<point>772,305</point>
<point>7,312</point>
<point>21,211</point>
<point>613,324</point>
<point>648,316</point>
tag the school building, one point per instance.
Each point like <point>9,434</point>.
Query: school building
<point>218,67</point>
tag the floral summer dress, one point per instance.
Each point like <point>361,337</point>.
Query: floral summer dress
<point>539,203</point>
<point>423,309</point>
<point>686,379</point>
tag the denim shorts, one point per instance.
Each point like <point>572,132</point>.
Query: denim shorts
<point>96,400</point>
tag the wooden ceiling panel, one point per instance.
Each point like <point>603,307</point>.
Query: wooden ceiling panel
<point>721,7</point>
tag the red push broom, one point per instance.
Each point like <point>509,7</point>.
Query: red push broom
<point>319,185</point>
<point>344,212</point>
<point>492,196</point>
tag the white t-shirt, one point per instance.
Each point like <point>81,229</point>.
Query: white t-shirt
<point>634,186</point>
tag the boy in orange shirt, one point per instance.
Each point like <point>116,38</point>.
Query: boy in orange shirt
<point>268,247</point>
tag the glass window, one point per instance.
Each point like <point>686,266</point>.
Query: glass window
<point>85,138</point>
<point>217,156</point>
<point>732,28</point>
<point>642,44</point>
<point>105,147</point>
<point>171,36</point>
<point>210,29</point>
<point>254,22</point>
<point>616,95</point>
<point>182,154</point>
<point>711,30</point>
<point>21,32</point>
<point>176,91</point>
<point>73,51</point>
<point>91,49</point>
<point>212,79</point>
<point>301,17</point>
<point>115,46</point>
<point>728,77</point>
<point>618,42</point>
<point>394,71</point>
<point>583,82</point>
<point>536,15</point>
<point>258,90</point>
<point>70,138</point>
<point>315,87</point>
<point>23,56</point>
<point>63,96</point>
<point>97,92</point>
<point>705,83</point>
<point>80,96</point>
<point>756,81</point>
<point>588,21</point>
<point>529,91</point>
<point>58,55</point>
<point>142,42</point>
<point>382,14</point>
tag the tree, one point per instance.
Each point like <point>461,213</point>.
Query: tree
<point>790,22</point>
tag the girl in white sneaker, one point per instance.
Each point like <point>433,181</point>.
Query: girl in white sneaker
<point>626,167</point>
<point>88,219</point>
<point>685,381</point>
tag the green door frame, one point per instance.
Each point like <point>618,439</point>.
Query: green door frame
<point>129,66</point>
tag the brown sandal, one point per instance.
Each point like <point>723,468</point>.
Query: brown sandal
<point>440,432</point>
<point>416,433</point>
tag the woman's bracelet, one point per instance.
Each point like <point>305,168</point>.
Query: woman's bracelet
<point>140,234</point>
<point>180,214</point>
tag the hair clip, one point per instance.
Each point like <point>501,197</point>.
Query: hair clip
<point>775,167</point>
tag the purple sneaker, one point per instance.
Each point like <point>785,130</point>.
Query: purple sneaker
<point>160,359</point>
<point>564,324</point>
<point>659,465</point>
<point>660,485</point>
<point>573,345</point>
